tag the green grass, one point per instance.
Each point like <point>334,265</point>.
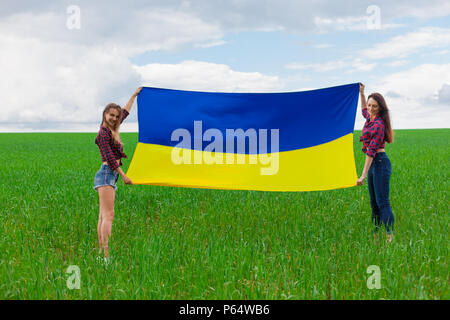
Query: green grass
<point>181,243</point>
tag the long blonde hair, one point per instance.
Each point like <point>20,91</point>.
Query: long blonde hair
<point>115,129</point>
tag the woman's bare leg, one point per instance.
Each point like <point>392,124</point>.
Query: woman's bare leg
<point>107,196</point>
<point>99,234</point>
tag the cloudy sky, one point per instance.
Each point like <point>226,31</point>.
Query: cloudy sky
<point>61,62</point>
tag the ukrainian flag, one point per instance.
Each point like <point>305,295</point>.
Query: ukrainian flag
<point>293,141</point>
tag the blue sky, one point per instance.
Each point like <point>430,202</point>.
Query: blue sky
<point>61,74</point>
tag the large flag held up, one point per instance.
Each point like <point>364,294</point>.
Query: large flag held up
<point>293,141</point>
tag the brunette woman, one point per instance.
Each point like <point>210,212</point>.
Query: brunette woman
<point>377,167</point>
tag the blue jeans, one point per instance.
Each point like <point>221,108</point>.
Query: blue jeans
<point>378,183</point>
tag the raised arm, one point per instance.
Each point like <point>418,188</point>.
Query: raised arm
<point>131,101</point>
<point>363,98</point>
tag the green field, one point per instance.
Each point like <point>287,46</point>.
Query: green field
<point>181,243</point>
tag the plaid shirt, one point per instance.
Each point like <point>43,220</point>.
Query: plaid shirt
<point>109,149</point>
<point>372,134</point>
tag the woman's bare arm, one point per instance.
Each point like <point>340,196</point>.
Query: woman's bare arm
<point>131,101</point>
<point>367,165</point>
<point>125,179</point>
<point>363,98</point>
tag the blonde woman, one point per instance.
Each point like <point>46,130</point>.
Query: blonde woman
<point>111,151</point>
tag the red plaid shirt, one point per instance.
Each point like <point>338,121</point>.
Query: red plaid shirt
<point>109,149</point>
<point>372,134</point>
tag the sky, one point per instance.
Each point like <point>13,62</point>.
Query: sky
<point>62,62</point>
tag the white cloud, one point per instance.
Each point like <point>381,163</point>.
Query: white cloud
<point>323,46</point>
<point>291,15</point>
<point>211,44</point>
<point>62,78</point>
<point>127,33</point>
<point>319,15</point>
<point>423,9</point>
<point>419,82</point>
<point>397,63</point>
<point>50,82</point>
<point>318,67</point>
<point>444,94</point>
<point>56,75</point>
<point>360,65</point>
<point>351,65</point>
<point>156,29</point>
<point>444,52</point>
<point>404,45</point>
<point>205,76</point>
<point>418,97</point>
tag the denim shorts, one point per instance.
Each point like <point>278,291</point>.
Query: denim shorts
<point>105,177</point>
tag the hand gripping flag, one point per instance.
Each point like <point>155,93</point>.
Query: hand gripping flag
<point>293,141</point>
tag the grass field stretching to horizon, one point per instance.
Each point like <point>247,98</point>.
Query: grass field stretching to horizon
<point>183,243</point>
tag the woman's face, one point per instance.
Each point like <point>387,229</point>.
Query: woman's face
<point>112,117</point>
<point>373,107</point>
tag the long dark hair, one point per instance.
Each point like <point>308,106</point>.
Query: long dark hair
<point>384,114</point>
<point>115,130</point>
